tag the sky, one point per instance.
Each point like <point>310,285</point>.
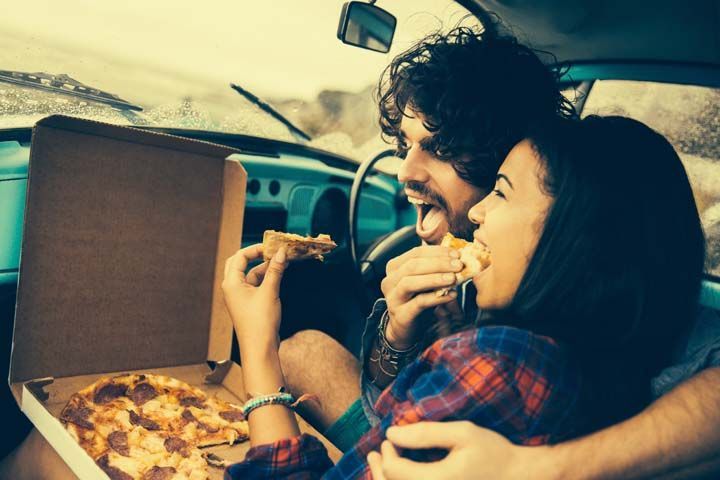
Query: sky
<point>144,49</point>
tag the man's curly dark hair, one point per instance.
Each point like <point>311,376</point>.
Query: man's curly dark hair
<point>478,93</point>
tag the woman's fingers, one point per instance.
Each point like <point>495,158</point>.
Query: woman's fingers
<point>256,274</point>
<point>237,264</point>
<point>274,272</point>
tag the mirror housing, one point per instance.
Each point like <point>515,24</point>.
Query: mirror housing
<point>366,26</point>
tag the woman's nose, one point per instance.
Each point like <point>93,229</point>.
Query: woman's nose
<point>413,167</point>
<point>477,213</point>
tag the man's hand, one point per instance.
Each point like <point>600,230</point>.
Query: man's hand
<point>409,288</point>
<point>253,299</point>
<point>473,453</point>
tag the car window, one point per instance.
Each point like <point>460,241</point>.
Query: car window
<point>689,116</point>
<point>177,58</point>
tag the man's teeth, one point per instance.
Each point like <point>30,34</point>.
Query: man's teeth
<point>417,201</point>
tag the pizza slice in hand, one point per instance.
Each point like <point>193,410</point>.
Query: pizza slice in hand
<point>296,246</point>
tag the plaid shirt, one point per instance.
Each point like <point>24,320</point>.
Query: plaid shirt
<point>514,382</point>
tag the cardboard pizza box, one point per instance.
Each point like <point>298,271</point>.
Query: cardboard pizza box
<point>125,238</point>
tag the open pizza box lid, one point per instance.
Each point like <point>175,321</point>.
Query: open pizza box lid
<point>125,239</point>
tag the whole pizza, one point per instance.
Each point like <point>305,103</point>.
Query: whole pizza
<point>150,427</point>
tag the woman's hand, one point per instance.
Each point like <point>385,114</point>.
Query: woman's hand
<point>253,299</point>
<point>473,453</point>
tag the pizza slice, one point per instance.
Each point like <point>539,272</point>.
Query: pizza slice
<point>296,246</point>
<point>475,259</point>
<point>143,426</point>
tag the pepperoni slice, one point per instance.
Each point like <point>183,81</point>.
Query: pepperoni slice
<point>109,392</point>
<point>160,473</point>
<point>77,412</point>
<point>188,415</point>
<point>191,401</point>
<point>141,393</point>
<point>208,428</point>
<point>232,416</point>
<point>113,472</point>
<point>119,442</point>
<point>148,424</point>
<point>176,444</point>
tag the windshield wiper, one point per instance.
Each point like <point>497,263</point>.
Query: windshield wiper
<point>270,110</point>
<point>65,85</point>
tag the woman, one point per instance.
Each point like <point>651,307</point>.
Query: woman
<point>597,256</point>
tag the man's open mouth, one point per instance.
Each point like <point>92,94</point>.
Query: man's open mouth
<point>431,219</point>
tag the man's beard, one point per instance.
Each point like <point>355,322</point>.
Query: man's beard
<point>459,224</point>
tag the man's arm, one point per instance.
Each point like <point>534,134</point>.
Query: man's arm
<point>677,436</point>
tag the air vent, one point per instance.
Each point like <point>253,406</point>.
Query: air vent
<point>373,207</point>
<point>300,200</point>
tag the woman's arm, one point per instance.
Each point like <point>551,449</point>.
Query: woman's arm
<point>254,305</point>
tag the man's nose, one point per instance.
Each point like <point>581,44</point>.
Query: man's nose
<point>414,167</point>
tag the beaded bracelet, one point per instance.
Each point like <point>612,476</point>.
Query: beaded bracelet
<point>280,398</point>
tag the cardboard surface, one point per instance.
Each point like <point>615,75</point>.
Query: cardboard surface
<point>126,237</point>
<point>120,259</point>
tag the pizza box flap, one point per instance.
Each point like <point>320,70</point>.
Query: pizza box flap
<point>125,237</point>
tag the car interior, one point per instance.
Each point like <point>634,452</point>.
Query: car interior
<point>659,63</point>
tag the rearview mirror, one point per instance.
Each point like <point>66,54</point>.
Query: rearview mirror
<point>366,26</point>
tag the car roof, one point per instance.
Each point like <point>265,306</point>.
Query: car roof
<point>613,30</point>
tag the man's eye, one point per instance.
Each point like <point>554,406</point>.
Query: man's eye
<point>498,193</point>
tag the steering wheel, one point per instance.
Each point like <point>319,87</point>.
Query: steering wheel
<point>371,267</point>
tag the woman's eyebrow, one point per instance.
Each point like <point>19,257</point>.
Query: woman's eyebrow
<point>501,176</point>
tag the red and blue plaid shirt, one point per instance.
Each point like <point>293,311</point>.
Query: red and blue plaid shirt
<point>521,385</point>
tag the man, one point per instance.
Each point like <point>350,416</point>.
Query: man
<point>455,105</point>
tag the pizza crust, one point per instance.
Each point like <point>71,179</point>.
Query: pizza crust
<point>296,246</point>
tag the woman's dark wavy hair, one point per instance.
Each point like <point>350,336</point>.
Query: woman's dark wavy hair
<point>617,270</point>
<point>477,92</point>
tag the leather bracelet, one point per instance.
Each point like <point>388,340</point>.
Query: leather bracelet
<point>386,345</point>
<point>389,360</point>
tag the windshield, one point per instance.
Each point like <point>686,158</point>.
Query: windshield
<point>177,59</point>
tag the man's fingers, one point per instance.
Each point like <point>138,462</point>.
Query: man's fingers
<point>375,463</point>
<point>422,266</point>
<point>274,271</point>
<point>255,275</point>
<point>423,301</point>
<point>426,251</point>
<point>444,435</point>
<point>395,467</point>
<point>408,287</point>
